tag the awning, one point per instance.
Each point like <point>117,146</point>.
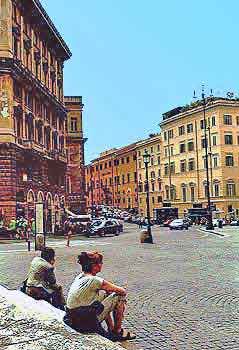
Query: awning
<point>77,216</point>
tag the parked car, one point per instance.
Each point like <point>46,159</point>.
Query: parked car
<point>178,224</point>
<point>128,218</point>
<point>216,222</point>
<point>234,223</point>
<point>119,225</point>
<point>167,222</point>
<point>104,228</point>
<point>5,233</point>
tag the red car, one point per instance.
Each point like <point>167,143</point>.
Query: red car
<point>167,222</point>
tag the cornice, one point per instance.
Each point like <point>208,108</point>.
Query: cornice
<point>199,109</point>
<point>42,14</point>
<point>149,141</point>
<point>16,69</point>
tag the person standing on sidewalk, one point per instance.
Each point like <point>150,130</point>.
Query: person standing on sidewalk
<point>69,234</point>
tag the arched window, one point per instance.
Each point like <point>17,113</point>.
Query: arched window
<point>30,197</point>
<point>40,197</point>
<point>49,200</point>
<point>56,201</point>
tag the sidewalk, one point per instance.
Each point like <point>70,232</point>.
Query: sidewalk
<point>28,324</point>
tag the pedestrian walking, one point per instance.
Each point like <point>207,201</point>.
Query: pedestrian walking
<point>68,235</point>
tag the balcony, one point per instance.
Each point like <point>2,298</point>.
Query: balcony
<point>32,145</point>
<point>57,155</point>
<point>27,144</point>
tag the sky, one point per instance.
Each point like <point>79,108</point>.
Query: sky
<point>133,60</point>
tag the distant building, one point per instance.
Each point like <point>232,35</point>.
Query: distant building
<point>183,155</point>
<point>111,179</point>
<point>75,146</point>
<point>153,146</point>
<point>33,160</point>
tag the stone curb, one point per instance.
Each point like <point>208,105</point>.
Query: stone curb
<point>212,231</point>
<point>27,324</point>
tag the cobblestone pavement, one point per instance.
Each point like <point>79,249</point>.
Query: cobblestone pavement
<point>183,291</point>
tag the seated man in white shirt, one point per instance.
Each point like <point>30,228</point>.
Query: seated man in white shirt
<point>91,300</point>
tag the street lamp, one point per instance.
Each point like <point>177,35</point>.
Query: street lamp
<point>209,225</point>
<point>146,158</point>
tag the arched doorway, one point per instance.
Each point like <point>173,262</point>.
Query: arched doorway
<point>62,210</point>
<point>49,213</point>
<point>40,197</point>
<point>30,205</point>
<point>57,209</point>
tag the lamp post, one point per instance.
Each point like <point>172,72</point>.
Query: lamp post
<point>146,158</point>
<point>91,189</point>
<point>209,225</point>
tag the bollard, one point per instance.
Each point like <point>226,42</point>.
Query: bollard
<point>68,241</point>
<point>29,245</point>
<point>144,237</point>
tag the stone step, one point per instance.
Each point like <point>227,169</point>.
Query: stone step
<point>30,324</point>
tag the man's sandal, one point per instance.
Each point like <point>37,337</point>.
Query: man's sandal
<point>123,335</point>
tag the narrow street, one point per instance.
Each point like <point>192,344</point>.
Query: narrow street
<point>182,291</point>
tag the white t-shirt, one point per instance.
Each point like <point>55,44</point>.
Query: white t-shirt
<point>83,291</point>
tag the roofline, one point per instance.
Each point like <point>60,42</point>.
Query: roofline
<point>217,102</point>
<point>149,140</point>
<point>51,25</point>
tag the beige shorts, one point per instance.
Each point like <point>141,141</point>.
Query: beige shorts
<point>110,303</point>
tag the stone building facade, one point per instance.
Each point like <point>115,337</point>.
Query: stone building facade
<point>152,146</point>
<point>183,155</point>
<point>177,168</point>
<point>75,148</point>
<point>33,159</point>
<point>111,179</point>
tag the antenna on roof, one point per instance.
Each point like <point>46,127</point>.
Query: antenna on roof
<point>211,94</point>
<point>203,93</point>
<point>194,94</point>
<point>230,94</point>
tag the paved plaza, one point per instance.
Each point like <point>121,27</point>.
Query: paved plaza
<point>183,291</point>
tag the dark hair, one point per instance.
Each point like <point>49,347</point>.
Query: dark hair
<point>48,254</point>
<point>88,259</point>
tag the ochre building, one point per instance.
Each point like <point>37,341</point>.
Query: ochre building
<point>183,155</point>
<point>152,146</point>
<point>75,149</point>
<point>111,179</point>
<point>33,159</point>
